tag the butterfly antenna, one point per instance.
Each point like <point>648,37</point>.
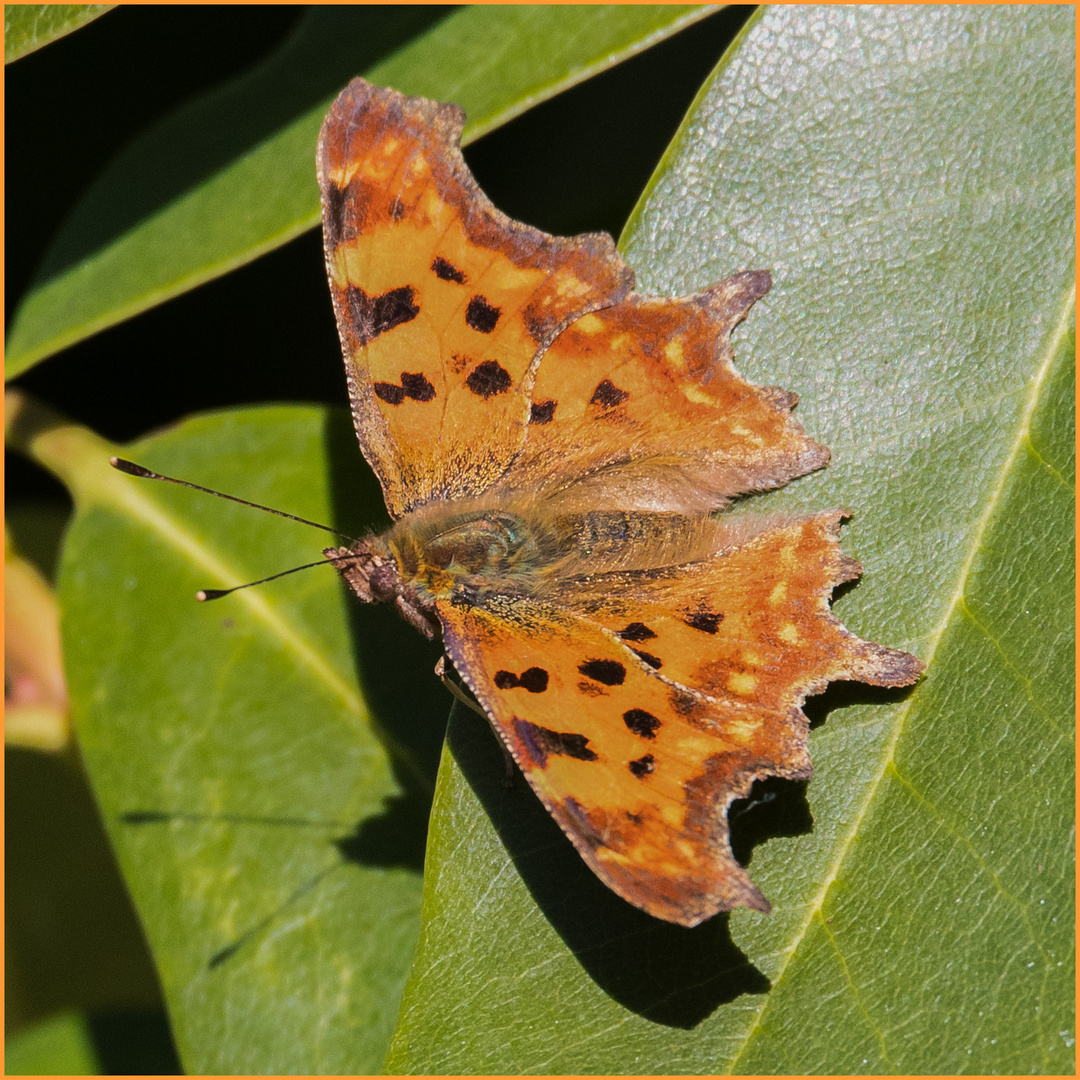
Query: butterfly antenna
<point>132,469</point>
<point>217,594</point>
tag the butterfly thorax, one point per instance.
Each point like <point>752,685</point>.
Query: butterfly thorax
<point>442,551</point>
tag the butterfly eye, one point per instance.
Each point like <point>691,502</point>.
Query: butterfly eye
<point>384,579</point>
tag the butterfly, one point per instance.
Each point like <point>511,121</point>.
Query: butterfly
<point>556,452</point>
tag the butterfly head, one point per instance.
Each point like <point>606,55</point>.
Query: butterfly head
<point>371,571</point>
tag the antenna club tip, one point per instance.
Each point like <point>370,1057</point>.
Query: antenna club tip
<point>131,468</point>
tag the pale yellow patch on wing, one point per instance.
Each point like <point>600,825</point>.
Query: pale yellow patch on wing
<point>778,594</point>
<point>696,395</point>
<point>343,176</point>
<point>742,683</point>
<point>687,850</point>
<point>433,209</point>
<point>673,350</point>
<point>694,746</point>
<point>570,286</point>
<point>742,730</point>
<point>789,632</point>
<point>610,855</point>
<point>589,324</point>
<point>379,170</point>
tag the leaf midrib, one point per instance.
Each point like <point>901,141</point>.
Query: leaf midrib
<point>955,602</point>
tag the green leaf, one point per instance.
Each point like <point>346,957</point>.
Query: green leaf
<point>907,175</point>
<point>270,828</point>
<point>230,176</point>
<point>29,26</point>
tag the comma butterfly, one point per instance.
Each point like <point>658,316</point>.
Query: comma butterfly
<point>553,448</point>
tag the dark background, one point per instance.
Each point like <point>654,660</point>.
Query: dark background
<point>262,333</point>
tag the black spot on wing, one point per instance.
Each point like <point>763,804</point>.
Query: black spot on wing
<point>482,315</point>
<point>445,270</point>
<point>653,661</point>
<point>488,379</point>
<point>608,672</point>
<point>541,742</point>
<point>636,631</point>
<point>414,385</point>
<point>642,723</point>
<point>334,217</point>
<point>374,315</point>
<point>388,392</point>
<point>534,679</point>
<point>708,622</point>
<point>398,210</point>
<point>643,766</point>
<point>542,412</point>
<point>607,395</point>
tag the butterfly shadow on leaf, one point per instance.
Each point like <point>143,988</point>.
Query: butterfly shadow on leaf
<point>665,973</point>
<point>844,693</point>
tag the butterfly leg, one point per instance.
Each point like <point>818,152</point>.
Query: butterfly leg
<point>460,694</point>
<point>456,691</point>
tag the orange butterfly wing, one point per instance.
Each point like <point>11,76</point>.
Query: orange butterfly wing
<point>647,386</point>
<point>443,303</point>
<point>750,624</point>
<point>642,798</point>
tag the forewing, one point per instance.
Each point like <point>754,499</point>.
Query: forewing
<point>442,302</point>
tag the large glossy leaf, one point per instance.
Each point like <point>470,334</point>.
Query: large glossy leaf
<point>230,177</point>
<point>907,174</point>
<point>269,827</point>
<point>28,27</point>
